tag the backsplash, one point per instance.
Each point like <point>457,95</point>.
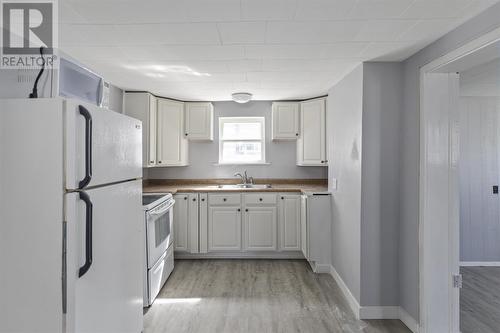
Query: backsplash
<point>203,156</point>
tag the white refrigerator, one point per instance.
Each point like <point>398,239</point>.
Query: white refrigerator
<point>71,224</point>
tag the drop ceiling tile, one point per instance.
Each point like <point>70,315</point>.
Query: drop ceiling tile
<point>427,30</point>
<point>212,10</point>
<point>323,9</point>
<point>85,35</point>
<point>383,30</point>
<point>257,10</point>
<point>311,32</point>
<point>305,51</point>
<point>431,9</point>
<point>379,9</point>
<point>390,51</point>
<point>247,65</point>
<point>184,52</point>
<point>166,33</point>
<point>242,32</point>
<point>130,12</point>
<point>274,65</point>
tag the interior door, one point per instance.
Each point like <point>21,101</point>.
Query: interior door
<point>102,146</point>
<point>107,295</point>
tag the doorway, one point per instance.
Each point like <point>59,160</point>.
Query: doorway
<point>452,87</point>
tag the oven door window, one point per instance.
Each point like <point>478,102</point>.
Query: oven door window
<point>162,229</point>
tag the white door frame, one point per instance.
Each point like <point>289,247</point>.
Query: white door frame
<point>443,123</point>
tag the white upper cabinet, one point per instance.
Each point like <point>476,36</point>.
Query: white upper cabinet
<point>311,143</point>
<point>142,106</point>
<point>171,140</point>
<point>199,121</point>
<point>285,121</point>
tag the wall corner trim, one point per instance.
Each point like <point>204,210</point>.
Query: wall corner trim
<point>374,312</point>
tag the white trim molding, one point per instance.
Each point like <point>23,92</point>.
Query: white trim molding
<point>351,300</point>
<point>408,320</point>
<point>480,263</point>
<point>374,312</point>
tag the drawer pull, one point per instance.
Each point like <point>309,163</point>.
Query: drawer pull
<point>224,199</point>
<point>202,199</point>
<point>260,199</point>
<point>194,199</point>
<point>239,209</point>
<point>246,210</point>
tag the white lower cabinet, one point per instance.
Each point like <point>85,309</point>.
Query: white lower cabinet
<point>237,223</point>
<point>224,228</point>
<point>260,228</point>
<point>186,216</point>
<point>289,222</point>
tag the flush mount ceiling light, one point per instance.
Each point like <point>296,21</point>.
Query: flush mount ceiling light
<point>241,97</point>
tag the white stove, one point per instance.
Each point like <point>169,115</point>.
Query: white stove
<point>159,249</point>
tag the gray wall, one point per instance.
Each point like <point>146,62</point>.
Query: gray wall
<point>203,156</point>
<point>363,113</point>
<point>409,150</point>
<point>382,102</point>
<point>344,116</point>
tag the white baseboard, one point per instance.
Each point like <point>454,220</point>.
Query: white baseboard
<point>408,320</point>
<point>379,312</point>
<point>351,300</point>
<point>374,312</point>
<point>480,263</point>
<point>320,268</point>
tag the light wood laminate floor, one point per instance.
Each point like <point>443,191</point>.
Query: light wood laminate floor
<point>254,296</point>
<point>480,300</point>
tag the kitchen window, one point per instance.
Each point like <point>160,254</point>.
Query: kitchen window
<point>242,140</point>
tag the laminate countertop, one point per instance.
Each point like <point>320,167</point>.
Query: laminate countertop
<point>305,186</point>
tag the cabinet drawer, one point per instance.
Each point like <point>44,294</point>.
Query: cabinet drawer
<point>224,199</point>
<point>260,199</point>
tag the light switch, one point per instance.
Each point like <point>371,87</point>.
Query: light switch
<point>333,183</point>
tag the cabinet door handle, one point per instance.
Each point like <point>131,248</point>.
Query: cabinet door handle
<point>246,210</point>
<point>260,199</point>
<point>185,198</point>
<point>185,134</point>
<point>296,134</point>
<point>151,162</point>
<point>224,199</point>
<point>159,162</point>
<point>239,209</point>
<point>194,199</point>
<point>282,198</point>
<point>202,199</point>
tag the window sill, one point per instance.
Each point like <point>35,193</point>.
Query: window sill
<point>229,164</point>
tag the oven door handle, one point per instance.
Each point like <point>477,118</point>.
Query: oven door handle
<point>162,210</point>
<point>88,234</point>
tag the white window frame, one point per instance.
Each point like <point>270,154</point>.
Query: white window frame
<point>260,120</point>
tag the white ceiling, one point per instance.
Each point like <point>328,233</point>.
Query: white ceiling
<point>275,49</point>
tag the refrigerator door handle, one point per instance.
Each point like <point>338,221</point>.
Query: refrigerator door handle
<point>88,146</point>
<point>88,234</point>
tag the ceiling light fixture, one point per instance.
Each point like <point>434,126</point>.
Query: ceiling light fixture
<point>241,97</point>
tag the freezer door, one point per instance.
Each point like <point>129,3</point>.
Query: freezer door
<point>107,294</point>
<point>102,146</point>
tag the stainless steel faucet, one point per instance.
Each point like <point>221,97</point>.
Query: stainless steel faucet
<point>245,180</point>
